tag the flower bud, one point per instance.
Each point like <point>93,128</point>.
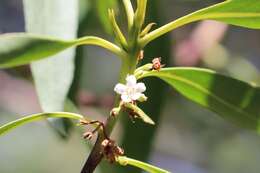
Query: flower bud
<point>143,98</point>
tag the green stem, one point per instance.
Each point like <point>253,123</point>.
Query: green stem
<point>140,13</point>
<point>35,117</point>
<point>95,157</point>
<point>128,67</point>
<point>116,30</point>
<point>192,17</point>
<point>91,40</point>
<point>129,61</point>
<point>129,13</point>
<point>139,18</point>
<point>164,29</point>
<point>145,166</point>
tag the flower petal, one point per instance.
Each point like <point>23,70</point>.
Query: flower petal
<point>120,88</point>
<point>136,96</point>
<point>125,98</point>
<point>140,87</point>
<point>130,81</point>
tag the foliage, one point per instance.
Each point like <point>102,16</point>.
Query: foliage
<point>232,99</point>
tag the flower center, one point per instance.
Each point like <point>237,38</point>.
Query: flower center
<point>130,91</point>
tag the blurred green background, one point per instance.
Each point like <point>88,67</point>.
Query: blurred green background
<point>187,138</point>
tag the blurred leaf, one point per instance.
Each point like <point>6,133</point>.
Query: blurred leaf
<point>22,48</point>
<point>102,9</point>
<point>232,99</point>
<point>236,12</point>
<point>35,117</point>
<point>70,107</point>
<point>59,19</point>
<point>53,18</point>
<point>84,8</point>
<point>81,55</point>
<point>145,166</point>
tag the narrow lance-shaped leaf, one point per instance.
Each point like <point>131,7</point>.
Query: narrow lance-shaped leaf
<point>59,19</point>
<point>22,48</point>
<point>129,12</point>
<point>53,18</point>
<point>35,117</point>
<point>232,99</point>
<point>145,166</point>
<point>245,13</point>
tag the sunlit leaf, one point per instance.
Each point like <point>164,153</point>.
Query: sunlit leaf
<point>245,13</point>
<point>59,19</point>
<point>23,48</point>
<point>232,99</point>
<point>20,48</point>
<point>145,166</point>
<point>236,12</point>
<point>35,117</point>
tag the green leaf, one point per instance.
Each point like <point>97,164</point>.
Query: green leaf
<point>53,18</point>
<point>35,117</point>
<point>243,13</point>
<point>20,48</point>
<point>236,12</point>
<point>232,99</point>
<point>129,13</point>
<point>23,48</point>
<point>122,160</point>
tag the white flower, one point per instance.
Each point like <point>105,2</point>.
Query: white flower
<point>132,91</point>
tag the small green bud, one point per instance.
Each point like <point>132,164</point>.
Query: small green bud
<point>147,29</point>
<point>143,98</point>
<point>146,67</point>
<point>141,70</point>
